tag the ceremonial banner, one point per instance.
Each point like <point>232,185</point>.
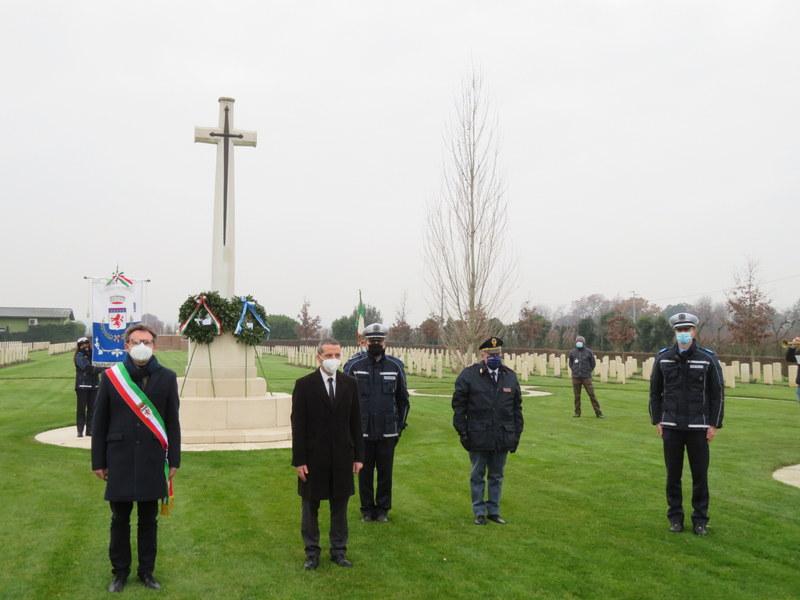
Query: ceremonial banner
<point>116,304</point>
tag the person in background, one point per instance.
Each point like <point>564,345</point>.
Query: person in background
<point>87,378</point>
<point>793,358</point>
<point>582,363</point>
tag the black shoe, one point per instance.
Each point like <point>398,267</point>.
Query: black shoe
<point>676,526</point>
<point>600,415</point>
<point>341,560</point>
<point>497,519</point>
<point>480,520</point>
<point>312,562</point>
<point>367,517</point>
<point>382,517</point>
<point>117,584</point>
<point>700,529</point>
<point>80,435</point>
<point>576,415</point>
<point>149,581</point>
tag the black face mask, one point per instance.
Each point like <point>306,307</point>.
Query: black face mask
<point>375,349</point>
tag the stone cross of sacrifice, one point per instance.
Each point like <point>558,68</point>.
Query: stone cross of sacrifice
<point>223,255</point>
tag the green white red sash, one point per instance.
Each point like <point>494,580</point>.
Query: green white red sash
<point>145,411</point>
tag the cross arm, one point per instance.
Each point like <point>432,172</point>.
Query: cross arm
<point>203,134</point>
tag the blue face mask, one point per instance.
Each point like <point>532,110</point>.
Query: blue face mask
<point>684,338</point>
<point>579,344</point>
<point>494,361</point>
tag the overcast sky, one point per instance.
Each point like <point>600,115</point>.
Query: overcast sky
<point>647,146</point>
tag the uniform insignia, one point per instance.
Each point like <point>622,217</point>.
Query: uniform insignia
<point>507,390</point>
<point>494,342</point>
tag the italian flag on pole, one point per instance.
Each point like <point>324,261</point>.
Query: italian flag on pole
<point>362,314</point>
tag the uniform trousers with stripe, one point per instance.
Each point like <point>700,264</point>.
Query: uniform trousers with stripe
<point>696,445</point>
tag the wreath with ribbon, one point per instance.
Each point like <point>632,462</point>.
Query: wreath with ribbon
<point>204,316</point>
<point>251,325</point>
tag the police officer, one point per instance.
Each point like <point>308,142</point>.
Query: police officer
<point>384,410</point>
<point>87,380</point>
<point>487,414</point>
<point>686,406</point>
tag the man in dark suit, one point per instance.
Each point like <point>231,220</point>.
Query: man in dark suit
<point>134,451</point>
<point>327,448</point>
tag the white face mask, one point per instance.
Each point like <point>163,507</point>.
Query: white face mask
<point>141,353</point>
<point>330,365</point>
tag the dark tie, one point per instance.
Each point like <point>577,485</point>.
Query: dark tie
<point>494,377</point>
<point>330,389</point>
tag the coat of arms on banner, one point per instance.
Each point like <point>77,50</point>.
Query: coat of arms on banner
<point>116,304</point>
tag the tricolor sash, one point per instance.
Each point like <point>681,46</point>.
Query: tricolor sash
<point>147,413</point>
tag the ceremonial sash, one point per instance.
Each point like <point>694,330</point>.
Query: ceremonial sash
<point>147,413</point>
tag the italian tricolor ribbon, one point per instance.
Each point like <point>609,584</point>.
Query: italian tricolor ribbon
<point>200,302</point>
<point>119,277</point>
<point>147,413</point>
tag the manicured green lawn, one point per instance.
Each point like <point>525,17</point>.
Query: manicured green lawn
<point>584,499</point>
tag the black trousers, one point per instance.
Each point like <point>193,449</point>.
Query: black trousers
<point>85,409</point>
<point>119,550</point>
<point>696,445</point>
<point>309,526</point>
<point>378,455</point>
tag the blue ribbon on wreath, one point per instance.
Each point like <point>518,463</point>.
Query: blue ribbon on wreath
<point>249,306</point>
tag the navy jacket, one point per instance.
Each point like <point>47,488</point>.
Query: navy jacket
<point>382,393</point>
<point>487,416</point>
<point>686,389</point>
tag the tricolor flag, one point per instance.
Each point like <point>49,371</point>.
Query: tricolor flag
<point>362,314</point>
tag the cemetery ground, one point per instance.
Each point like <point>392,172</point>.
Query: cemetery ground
<point>584,499</point>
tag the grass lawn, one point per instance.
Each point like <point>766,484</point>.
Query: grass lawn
<point>584,499</point>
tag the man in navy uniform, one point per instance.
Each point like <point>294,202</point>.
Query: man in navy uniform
<point>487,414</point>
<point>686,406</point>
<point>383,396</point>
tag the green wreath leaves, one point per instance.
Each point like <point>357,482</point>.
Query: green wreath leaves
<point>201,327</point>
<point>251,333</point>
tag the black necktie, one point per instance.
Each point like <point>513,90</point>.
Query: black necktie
<point>494,377</point>
<point>330,389</point>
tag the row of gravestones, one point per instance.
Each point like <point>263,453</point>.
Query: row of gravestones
<point>61,348</point>
<point>13,352</point>
<point>433,363</point>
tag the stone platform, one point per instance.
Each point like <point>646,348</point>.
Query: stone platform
<point>224,401</point>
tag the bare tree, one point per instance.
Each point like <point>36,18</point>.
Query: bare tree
<point>469,271</point>
<point>750,310</point>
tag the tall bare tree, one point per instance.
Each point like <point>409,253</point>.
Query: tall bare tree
<point>750,310</point>
<point>470,271</point>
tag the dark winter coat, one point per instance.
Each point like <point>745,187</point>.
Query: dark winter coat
<point>383,394</point>
<point>581,362</point>
<point>791,358</point>
<point>326,437</point>
<point>86,376</point>
<point>487,417</point>
<point>125,446</point>
<point>687,389</point>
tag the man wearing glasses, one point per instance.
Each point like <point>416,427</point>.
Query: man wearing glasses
<point>136,446</point>
<point>686,406</point>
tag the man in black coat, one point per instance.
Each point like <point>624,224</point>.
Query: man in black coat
<point>487,414</point>
<point>128,450</point>
<point>86,383</point>
<point>327,449</point>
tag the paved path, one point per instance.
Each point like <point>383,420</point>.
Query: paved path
<point>788,475</point>
<point>67,437</point>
